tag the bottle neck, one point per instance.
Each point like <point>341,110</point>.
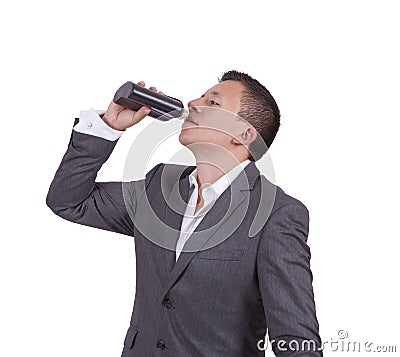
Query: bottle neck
<point>184,115</point>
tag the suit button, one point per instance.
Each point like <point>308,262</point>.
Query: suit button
<point>167,303</point>
<point>161,345</point>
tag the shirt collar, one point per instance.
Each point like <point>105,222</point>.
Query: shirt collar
<point>219,186</point>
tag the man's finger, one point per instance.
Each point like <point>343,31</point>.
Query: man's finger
<point>140,114</point>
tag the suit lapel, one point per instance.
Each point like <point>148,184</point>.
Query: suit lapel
<point>174,211</point>
<point>219,218</point>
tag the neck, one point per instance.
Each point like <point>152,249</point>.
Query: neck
<point>213,162</point>
<point>209,172</point>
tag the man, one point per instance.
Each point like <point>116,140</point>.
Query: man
<point>221,252</point>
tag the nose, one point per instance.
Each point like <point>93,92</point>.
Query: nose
<point>195,106</point>
<point>195,102</point>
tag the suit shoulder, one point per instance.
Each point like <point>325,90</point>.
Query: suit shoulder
<point>283,199</point>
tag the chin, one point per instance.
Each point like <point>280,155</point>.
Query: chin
<point>183,140</point>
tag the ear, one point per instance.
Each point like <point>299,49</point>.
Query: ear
<point>246,137</point>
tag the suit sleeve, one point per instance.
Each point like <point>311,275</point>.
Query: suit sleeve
<point>75,195</point>
<point>285,280</point>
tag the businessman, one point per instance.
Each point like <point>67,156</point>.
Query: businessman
<point>221,252</point>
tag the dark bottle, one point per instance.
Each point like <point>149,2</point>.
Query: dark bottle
<point>133,96</point>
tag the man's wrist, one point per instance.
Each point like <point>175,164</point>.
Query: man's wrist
<point>91,122</point>
<point>107,121</point>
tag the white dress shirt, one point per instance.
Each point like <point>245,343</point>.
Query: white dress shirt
<point>91,123</point>
<point>210,194</point>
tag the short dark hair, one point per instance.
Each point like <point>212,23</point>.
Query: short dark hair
<point>259,108</point>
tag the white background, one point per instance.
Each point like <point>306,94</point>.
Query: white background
<point>333,67</point>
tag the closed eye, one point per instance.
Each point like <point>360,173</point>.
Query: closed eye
<point>213,102</point>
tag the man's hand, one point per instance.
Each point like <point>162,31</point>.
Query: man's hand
<point>121,118</point>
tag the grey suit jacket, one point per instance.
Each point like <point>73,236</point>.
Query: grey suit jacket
<point>246,268</point>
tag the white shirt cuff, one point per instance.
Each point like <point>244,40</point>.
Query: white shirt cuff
<point>91,123</point>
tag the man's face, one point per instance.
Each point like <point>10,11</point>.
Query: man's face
<point>213,120</point>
